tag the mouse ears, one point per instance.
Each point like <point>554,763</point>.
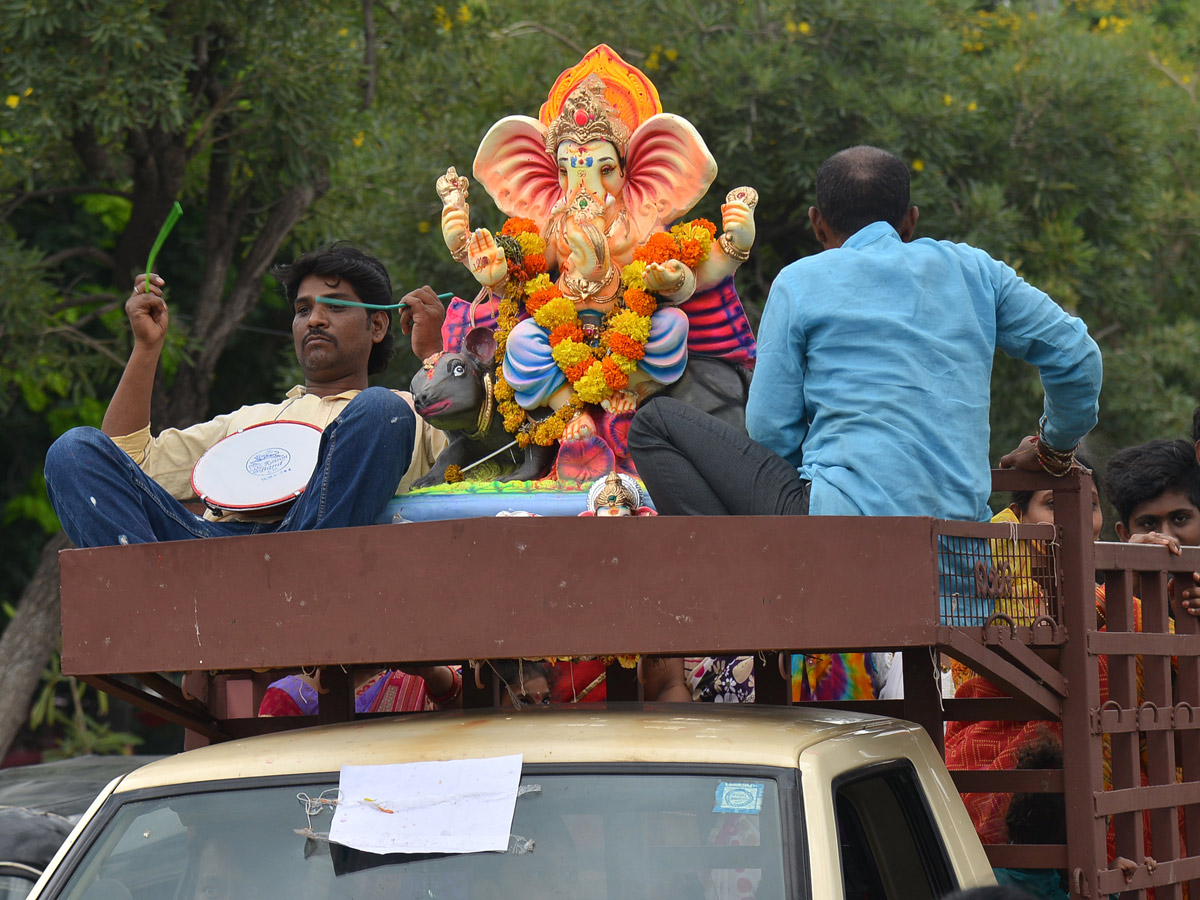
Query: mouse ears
<point>480,343</point>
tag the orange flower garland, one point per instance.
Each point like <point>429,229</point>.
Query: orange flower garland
<point>594,372</point>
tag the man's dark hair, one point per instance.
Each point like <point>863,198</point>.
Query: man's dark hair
<point>1142,473</point>
<point>367,275</point>
<point>1021,499</point>
<point>1196,425</point>
<point>862,185</point>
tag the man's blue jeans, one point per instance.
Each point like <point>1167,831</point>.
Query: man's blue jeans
<point>103,498</point>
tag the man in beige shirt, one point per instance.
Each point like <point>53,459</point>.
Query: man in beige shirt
<point>120,485</point>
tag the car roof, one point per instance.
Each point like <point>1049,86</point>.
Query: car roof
<point>716,734</point>
<point>64,787</point>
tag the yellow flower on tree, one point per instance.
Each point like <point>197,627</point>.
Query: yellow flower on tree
<point>12,100</point>
<point>918,165</point>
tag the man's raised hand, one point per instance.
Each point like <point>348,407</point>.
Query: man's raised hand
<point>147,311</point>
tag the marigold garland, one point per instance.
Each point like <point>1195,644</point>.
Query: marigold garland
<point>594,372</point>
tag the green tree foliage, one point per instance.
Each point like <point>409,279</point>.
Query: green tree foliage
<point>113,111</point>
<point>1052,139</point>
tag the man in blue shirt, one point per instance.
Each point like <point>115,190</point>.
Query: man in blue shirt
<point>871,392</point>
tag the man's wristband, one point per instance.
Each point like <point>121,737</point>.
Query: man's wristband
<point>1054,462</point>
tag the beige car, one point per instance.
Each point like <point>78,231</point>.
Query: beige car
<point>669,802</point>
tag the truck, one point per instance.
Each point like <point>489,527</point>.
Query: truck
<point>842,782</point>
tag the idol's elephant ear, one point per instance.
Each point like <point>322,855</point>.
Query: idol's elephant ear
<point>513,166</point>
<point>667,170</point>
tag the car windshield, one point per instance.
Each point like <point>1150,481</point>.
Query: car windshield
<point>582,837</point>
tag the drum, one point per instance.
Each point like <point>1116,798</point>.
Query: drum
<point>257,469</point>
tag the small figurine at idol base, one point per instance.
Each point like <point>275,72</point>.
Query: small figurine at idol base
<point>615,496</point>
<point>596,297</point>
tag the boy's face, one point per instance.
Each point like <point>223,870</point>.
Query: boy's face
<point>1170,513</point>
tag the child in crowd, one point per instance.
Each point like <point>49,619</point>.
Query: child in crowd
<point>1037,818</point>
<point>1155,488</point>
<point>1156,491</point>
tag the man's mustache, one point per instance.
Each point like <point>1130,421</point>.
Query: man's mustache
<point>324,335</point>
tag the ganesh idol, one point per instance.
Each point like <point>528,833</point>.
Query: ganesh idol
<point>599,294</point>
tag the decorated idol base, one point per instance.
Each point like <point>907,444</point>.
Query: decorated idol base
<point>470,499</point>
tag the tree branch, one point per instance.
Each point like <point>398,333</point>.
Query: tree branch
<point>28,641</point>
<point>109,301</point>
<point>222,103</point>
<point>73,333</point>
<point>21,199</point>
<point>528,26</point>
<point>93,253</point>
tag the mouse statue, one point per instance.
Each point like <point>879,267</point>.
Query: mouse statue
<point>455,392</point>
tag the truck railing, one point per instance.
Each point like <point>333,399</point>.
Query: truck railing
<point>235,613</point>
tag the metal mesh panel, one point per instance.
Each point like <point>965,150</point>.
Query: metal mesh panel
<point>1012,571</point>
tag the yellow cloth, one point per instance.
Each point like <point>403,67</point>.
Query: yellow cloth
<point>170,457</point>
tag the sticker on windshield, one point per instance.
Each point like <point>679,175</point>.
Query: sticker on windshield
<point>739,797</point>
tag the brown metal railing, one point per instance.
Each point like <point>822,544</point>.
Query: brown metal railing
<point>519,587</point>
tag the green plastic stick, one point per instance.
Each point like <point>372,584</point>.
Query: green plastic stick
<point>332,301</point>
<point>172,218</point>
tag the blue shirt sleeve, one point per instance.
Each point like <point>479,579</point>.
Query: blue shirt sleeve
<point>776,416</point>
<point>1032,327</point>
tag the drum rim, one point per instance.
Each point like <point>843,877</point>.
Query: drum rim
<point>248,507</point>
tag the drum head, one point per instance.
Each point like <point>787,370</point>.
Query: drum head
<point>259,467</point>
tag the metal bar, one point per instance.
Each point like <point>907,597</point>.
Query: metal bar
<point>187,716</point>
<point>1081,749</point>
<point>1187,691</point>
<point>1108,642</point>
<point>337,703</point>
<point>923,694</point>
<point>987,662</point>
<point>1146,558</point>
<point>1027,856</point>
<point>1160,746</point>
<point>1112,881</point>
<point>770,685</point>
<point>588,587</point>
<point>1131,721</point>
<point>1128,828</point>
<point>992,709</point>
<point>1154,796</point>
<point>999,637</point>
<point>1008,781</point>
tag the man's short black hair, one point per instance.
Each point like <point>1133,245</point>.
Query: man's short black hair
<point>1142,473</point>
<point>1196,425</point>
<point>862,185</point>
<point>366,273</point>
